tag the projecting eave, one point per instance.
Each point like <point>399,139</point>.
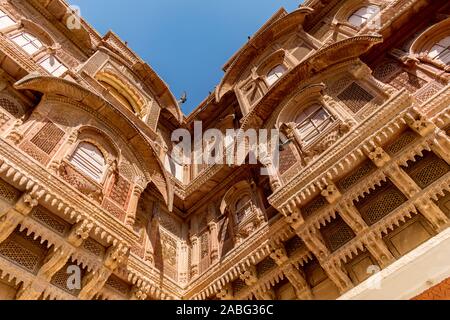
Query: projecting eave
<point>258,44</point>
<point>123,121</point>
<point>325,58</point>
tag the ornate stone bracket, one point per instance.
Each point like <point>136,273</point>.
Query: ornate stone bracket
<point>249,276</point>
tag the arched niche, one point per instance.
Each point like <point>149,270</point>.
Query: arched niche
<point>122,91</point>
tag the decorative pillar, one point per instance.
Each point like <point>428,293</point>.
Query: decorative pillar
<point>133,205</point>
<point>183,266</point>
<point>195,255</point>
<point>214,238</point>
<point>214,233</point>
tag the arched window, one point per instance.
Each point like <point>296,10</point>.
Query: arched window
<point>241,207</point>
<point>119,96</point>
<point>5,20</point>
<point>53,66</point>
<point>363,15</point>
<point>312,121</point>
<point>27,42</point>
<point>90,160</point>
<point>275,74</point>
<point>441,51</point>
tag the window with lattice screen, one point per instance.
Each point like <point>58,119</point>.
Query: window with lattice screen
<point>90,160</point>
<point>336,234</point>
<point>10,106</point>
<point>48,137</point>
<point>355,97</point>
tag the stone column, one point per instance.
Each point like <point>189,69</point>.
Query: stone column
<point>133,205</point>
<point>195,255</point>
<point>214,238</point>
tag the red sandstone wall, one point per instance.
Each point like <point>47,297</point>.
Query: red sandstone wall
<point>438,292</point>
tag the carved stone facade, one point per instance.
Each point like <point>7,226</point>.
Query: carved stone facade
<point>360,91</point>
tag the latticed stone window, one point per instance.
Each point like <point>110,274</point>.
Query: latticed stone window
<point>355,97</point>
<point>366,168</point>
<point>8,193</point>
<point>60,280</point>
<point>409,81</point>
<point>48,137</point>
<point>400,143</point>
<point>293,245</point>
<point>380,202</point>
<point>265,266</point>
<point>252,92</point>
<point>10,106</point>
<point>336,234</point>
<point>48,219</point>
<point>94,247</point>
<point>118,285</point>
<point>238,286</point>
<point>287,159</point>
<point>313,206</point>
<point>24,251</point>
<point>427,169</point>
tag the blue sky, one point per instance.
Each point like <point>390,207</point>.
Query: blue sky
<point>186,41</point>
